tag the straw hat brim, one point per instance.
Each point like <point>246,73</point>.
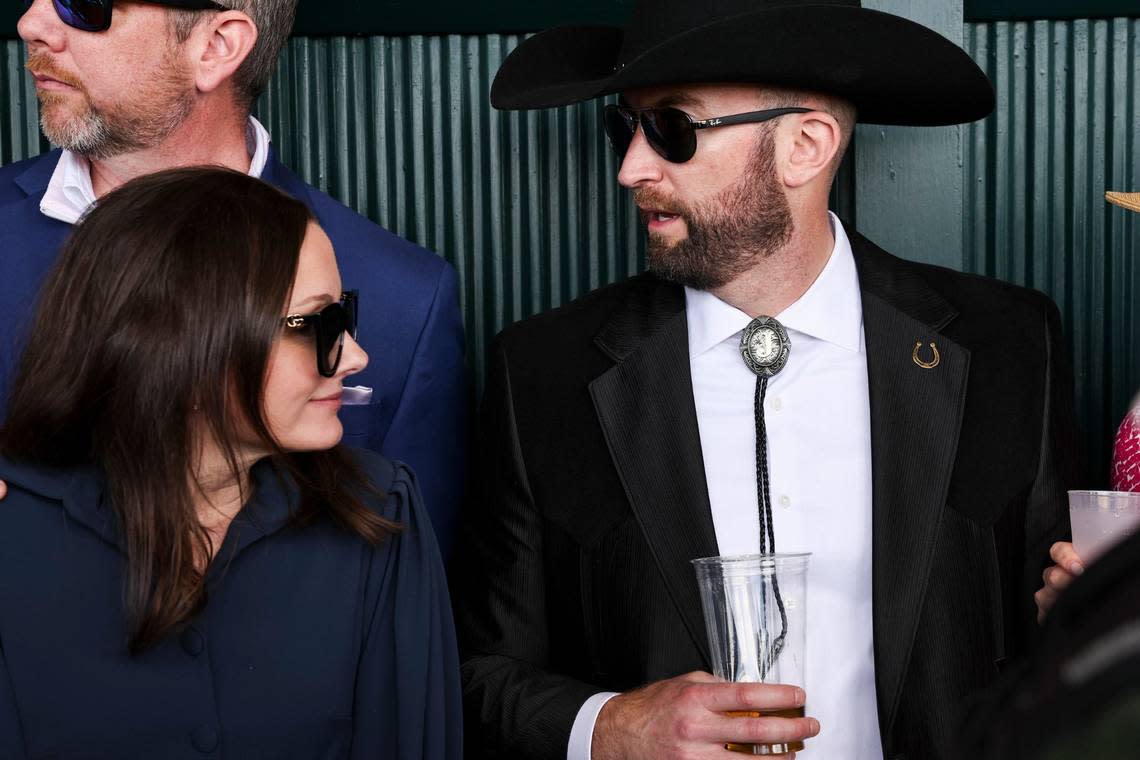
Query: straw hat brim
<point>1130,201</point>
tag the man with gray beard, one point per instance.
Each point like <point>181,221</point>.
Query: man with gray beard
<point>774,383</point>
<point>128,87</point>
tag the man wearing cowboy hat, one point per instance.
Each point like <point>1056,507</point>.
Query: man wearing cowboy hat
<point>776,382</point>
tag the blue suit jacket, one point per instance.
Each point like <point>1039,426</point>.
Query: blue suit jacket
<point>409,324</point>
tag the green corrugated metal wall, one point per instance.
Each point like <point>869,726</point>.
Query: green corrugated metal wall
<point>1065,130</point>
<point>526,206</point>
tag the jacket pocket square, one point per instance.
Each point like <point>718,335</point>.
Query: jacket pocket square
<point>357,395</point>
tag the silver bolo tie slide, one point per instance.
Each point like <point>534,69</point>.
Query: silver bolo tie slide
<point>765,346</point>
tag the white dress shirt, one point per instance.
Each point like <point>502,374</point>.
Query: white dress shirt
<point>817,414</point>
<point>69,192</point>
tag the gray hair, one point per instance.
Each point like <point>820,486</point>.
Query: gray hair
<point>274,22</point>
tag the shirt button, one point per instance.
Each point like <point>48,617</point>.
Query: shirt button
<point>777,404</point>
<point>785,502</point>
<point>205,738</point>
<point>192,642</point>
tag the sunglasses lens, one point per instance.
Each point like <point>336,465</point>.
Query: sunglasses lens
<point>336,320</point>
<point>87,15</point>
<point>619,128</point>
<point>671,134</point>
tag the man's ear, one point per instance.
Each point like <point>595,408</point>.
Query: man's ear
<point>815,141</point>
<point>218,47</point>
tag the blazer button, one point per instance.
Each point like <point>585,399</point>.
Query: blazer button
<point>193,643</point>
<point>205,738</point>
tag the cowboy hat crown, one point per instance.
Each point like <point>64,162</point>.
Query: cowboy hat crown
<point>894,70</point>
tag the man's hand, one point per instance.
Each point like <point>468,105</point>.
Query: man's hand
<point>3,489</point>
<point>1057,577</point>
<point>684,717</point>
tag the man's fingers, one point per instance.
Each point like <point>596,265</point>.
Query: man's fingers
<point>725,697</point>
<point>1057,578</point>
<point>766,730</point>
<point>1044,598</point>
<point>699,676</point>
<point>1066,557</point>
<point>3,489</point>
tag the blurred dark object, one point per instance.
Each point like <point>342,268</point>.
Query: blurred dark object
<point>1078,694</point>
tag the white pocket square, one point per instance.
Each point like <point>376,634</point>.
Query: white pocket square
<point>356,395</point>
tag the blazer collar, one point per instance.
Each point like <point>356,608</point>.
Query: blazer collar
<point>34,180</point>
<point>917,381</point>
<point>645,407</point>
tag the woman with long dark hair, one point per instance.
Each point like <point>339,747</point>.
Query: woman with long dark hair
<point>190,566</point>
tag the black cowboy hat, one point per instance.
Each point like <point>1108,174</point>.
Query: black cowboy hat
<point>894,70</point>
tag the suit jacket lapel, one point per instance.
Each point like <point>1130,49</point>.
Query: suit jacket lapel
<point>916,414</point>
<point>645,406</point>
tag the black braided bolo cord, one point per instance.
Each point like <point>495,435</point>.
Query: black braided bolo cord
<point>767,534</point>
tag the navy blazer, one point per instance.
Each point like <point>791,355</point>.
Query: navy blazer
<point>410,326</point>
<point>312,644</point>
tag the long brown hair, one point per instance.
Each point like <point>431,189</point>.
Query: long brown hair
<point>164,304</point>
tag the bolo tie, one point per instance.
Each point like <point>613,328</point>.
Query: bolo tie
<point>765,347</point>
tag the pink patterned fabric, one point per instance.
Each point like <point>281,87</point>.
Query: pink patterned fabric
<point>1126,454</point>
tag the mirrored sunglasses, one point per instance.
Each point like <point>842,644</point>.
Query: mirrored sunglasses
<point>95,15</point>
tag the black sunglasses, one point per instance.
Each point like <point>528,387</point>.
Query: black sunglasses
<point>95,15</point>
<point>671,132</point>
<point>329,326</point>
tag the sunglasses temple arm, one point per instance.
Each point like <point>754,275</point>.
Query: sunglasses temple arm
<point>752,117</point>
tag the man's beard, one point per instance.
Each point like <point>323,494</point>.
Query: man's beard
<point>728,234</point>
<point>102,132</point>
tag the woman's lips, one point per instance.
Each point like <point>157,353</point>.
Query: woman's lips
<point>330,401</point>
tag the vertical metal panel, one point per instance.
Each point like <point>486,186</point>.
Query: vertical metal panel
<point>525,205</point>
<point>19,119</point>
<point>1036,172</point>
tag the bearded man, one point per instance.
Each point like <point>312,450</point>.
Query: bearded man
<point>127,88</point>
<point>916,441</point>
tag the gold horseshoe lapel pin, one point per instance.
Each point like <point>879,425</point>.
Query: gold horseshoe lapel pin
<point>930,364</point>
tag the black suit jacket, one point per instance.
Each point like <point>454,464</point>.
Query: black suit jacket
<point>575,577</point>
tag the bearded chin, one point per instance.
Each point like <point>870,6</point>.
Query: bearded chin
<point>730,234</point>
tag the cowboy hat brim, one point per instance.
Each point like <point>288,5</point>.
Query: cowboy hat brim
<point>1130,201</point>
<point>894,70</point>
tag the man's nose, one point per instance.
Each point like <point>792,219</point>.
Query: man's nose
<point>641,164</point>
<point>40,26</point>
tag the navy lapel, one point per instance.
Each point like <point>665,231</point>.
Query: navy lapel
<point>916,416</point>
<point>34,180</point>
<point>645,406</point>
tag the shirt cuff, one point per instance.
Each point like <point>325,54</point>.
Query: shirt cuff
<point>582,732</point>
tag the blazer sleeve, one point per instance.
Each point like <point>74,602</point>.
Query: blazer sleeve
<point>1060,468</point>
<point>515,705</point>
<point>11,734</point>
<point>431,425</point>
<point>407,704</point>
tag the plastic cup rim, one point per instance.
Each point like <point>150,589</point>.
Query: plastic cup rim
<point>771,558</point>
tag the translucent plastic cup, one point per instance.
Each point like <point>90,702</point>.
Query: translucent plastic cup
<point>1102,519</point>
<point>755,609</point>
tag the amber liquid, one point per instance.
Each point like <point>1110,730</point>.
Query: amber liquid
<point>766,749</point>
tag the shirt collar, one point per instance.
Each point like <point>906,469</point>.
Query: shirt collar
<point>69,192</point>
<point>831,310</point>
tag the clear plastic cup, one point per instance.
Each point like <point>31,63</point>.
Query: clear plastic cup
<point>1101,519</point>
<point>755,609</point>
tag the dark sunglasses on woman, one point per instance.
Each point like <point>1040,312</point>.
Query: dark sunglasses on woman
<point>95,15</point>
<point>328,327</point>
<point>671,132</point>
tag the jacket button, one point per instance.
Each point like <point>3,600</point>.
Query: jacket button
<point>192,642</point>
<point>205,738</point>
